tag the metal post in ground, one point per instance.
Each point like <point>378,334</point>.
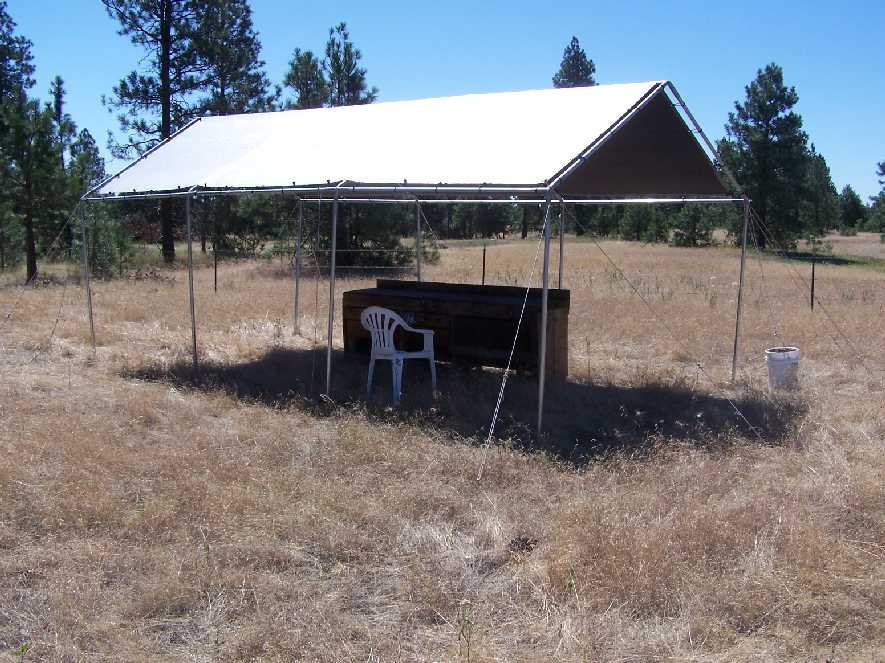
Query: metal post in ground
<point>561,243</point>
<point>542,359</point>
<point>214,257</point>
<point>87,281</point>
<point>331,295</point>
<point>737,324</point>
<point>418,238</point>
<point>190,280</point>
<point>296,329</point>
<point>483,263</point>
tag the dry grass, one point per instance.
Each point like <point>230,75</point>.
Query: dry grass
<point>146,514</point>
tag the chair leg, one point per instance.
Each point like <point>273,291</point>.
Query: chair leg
<point>369,381</point>
<point>397,368</point>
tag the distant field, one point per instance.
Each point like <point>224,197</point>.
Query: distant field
<point>861,245</point>
<point>147,515</point>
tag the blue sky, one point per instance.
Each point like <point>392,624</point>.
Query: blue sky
<point>831,52</point>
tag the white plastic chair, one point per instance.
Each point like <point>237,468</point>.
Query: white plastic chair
<point>381,323</point>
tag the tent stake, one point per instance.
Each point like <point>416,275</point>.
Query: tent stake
<point>737,324</point>
<point>86,276</point>
<point>296,329</point>
<point>331,295</point>
<point>418,238</point>
<point>542,361</point>
<point>190,280</point>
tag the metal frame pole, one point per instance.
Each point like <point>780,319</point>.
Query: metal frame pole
<point>190,281</point>
<point>331,295</point>
<point>418,249</point>
<point>296,329</point>
<point>87,281</point>
<point>542,361</point>
<point>561,243</point>
<point>737,324</point>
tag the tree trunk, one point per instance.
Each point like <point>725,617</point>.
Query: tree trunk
<point>30,245</point>
<point>525,223</point>
<point>167,231</point>
<point>166,221</point>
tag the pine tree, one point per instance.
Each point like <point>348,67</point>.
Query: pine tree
<point>766,149</point>
<point>16,61</point>
<point>345,78</point>
<point>853,211</point>
<point>228,51</point>
<point>306,78</point>
<point>159,100</point>
<point>33,171</point>
<point>820,207</point>
<point>576,69</point>
<point>881,173</point>
<point>16,78</point>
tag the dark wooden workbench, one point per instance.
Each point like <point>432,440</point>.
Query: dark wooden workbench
<point>472,324</point>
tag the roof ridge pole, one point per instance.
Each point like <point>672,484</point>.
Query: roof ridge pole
<point>331,294</point>
<point>542,355</point>
<point>737,323</point>
<point>190,280</point>
<point>418,248</point>
<point>87,282</point>
<point>296,329</point>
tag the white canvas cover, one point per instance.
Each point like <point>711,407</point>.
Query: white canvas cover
<point>500,139</point>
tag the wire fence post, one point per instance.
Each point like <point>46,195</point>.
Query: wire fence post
<point>331,295</point>
<point>418,249</point>
<point>483,263</point>
<point>296,328</point>
<point>813,263</point>
<point>190,280</point>
<point>737,324</point>
<point>87,281</point>
<point>542,360</point>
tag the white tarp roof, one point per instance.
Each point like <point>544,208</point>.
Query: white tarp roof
<point>507,139</point>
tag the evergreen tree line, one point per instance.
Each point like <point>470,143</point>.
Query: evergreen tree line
<point>204,57</point>
<point>46,162</point>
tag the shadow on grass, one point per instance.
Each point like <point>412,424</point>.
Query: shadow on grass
<point>581,421</point>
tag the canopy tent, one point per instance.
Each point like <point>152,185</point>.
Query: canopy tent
<point>591,141</point>
<point>600,144</point>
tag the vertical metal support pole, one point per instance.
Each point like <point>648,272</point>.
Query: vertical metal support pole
<point>483,263</point>
<point>296,329</point>
<point>418,249</point>
<point>215,264</point>
<point>542,359</point>
<point>190,280</point>
<point>737,324</point>
<point>561,243</point>
<point>331,295</point>
<point>813,263</point>
<point>87,281</point>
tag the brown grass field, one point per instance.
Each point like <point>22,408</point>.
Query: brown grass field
<point>147,514</point>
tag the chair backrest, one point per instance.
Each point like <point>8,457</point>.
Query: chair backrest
<point>381,323</point>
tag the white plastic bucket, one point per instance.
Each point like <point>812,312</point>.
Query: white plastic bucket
<point>783,367</point>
